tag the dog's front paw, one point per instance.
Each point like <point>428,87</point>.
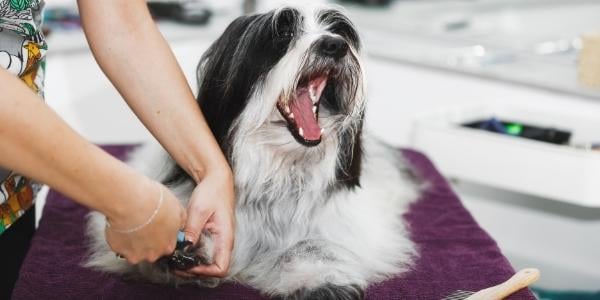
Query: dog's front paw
<point>327,292</point>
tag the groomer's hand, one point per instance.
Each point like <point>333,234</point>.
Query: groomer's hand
<point>153,240</point>
<point>211,208</point>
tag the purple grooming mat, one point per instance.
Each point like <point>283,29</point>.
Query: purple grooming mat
<point>454,254</point>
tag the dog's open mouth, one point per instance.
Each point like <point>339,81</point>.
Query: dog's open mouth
<point>302,111</point>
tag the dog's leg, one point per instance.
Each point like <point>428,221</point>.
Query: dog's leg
<point>343,261</point>
<point>328,292</point>
<point>310,269</point>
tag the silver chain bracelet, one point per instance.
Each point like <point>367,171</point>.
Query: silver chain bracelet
<point>136,228</point>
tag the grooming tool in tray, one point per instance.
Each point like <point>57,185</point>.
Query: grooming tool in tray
<point>542,134</point>
<point>518,281</point>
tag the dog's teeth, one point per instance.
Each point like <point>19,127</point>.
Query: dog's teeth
<point>291,115</point>
<point>301,132</point>
<point>314,109</point>
<point>311,93</point>
<point>287,109</point>
<point>322,131</point>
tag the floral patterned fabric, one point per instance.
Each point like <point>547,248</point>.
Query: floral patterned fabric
<point>22,53</point>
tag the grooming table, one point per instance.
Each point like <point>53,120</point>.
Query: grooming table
<point>455,254</point>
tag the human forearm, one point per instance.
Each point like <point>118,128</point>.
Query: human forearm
<point>35,142</point>
<point>136,58</point>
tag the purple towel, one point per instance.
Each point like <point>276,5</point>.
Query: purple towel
<point>455,253</point>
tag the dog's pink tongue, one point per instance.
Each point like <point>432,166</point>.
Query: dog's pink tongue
<point>302,108</point>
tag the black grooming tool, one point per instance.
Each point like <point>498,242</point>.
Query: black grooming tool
<point>542,134</point>
<point>184,257</point>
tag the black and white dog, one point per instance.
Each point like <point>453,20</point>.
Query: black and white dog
<point>319,202</point>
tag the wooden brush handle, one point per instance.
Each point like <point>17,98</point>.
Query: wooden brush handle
<point>518,281</point>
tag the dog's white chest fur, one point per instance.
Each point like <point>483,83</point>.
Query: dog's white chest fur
<point>338,237</point>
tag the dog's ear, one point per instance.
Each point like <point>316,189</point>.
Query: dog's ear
<point>233,68</point>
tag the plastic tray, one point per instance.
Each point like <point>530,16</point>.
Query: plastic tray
<point>565,173</point>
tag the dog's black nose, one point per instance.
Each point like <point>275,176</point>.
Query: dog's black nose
<point>335,47</point>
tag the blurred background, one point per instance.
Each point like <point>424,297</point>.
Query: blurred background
<point>503,96</point>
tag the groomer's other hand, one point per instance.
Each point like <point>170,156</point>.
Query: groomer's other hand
<point>211,208</point>
<point>154,240</point>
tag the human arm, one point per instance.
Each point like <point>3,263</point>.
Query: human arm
<point>135,57</point>
<point>35,142</point>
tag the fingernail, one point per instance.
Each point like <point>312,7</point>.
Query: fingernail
<point>189,238</point>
